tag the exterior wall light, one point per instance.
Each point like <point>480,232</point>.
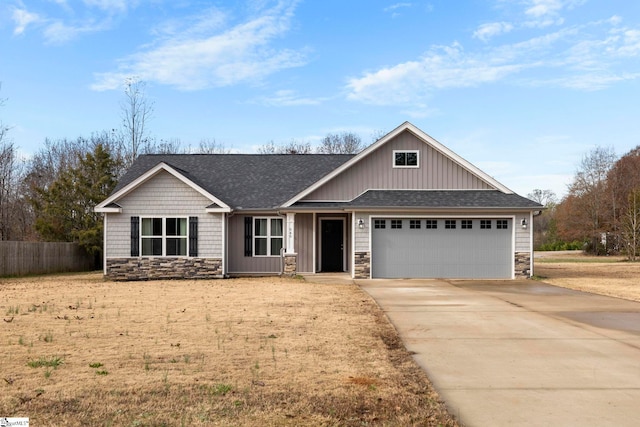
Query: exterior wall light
<point>360,223</point>
<point>524,223</point>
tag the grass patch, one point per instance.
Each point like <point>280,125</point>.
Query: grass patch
<point>243,352</point>
<point>50,362</point>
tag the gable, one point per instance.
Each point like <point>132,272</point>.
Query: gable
<point>436,171</point>
<point>163,194</point>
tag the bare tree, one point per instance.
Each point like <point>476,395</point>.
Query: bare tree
<point>341,143</point>
<point>293,147</point>
<point>589,196</point>
<point>631,225</point>
<point>544,197</point>
<point>136,112</point>
<point>211,146</point>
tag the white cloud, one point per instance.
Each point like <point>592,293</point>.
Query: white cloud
<point>539,8</point>
<point>191,61</point>
<point>588,57</point>
<point>108,5</point>
<point>443,67</point>
<point>488,31</point>
<point>289,98</point>
<point>22,19</point>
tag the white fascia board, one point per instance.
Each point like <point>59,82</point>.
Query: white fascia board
<point>373,147</point>
<point>107,210</point>
<point>217,210</point>
<point>150,174</point>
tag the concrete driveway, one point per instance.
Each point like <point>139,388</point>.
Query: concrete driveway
<point>520,353</point>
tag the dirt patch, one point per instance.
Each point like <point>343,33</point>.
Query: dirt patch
<point>611,276</point>
<point>78,350</point>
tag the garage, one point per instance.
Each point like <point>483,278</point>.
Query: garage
<point>454,248</point>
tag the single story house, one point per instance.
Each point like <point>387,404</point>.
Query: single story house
<point>405,207</point>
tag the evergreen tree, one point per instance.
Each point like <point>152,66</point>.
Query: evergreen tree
<point>64,210</point>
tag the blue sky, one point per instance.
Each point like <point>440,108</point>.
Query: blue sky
<point>521,88</point>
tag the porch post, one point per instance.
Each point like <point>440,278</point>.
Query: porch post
<point>291,225</point>
<point>290,256</point>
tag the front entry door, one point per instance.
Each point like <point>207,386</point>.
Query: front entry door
<point>332,245</point>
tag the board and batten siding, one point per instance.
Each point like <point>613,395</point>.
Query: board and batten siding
<point>376,171</point>
<point>238,262</point>
<point>164,196</point>
<point>304,242</point>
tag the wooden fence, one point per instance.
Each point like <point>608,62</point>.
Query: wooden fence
<point>22,258</point>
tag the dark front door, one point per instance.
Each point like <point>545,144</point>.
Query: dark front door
<point>332,245</point>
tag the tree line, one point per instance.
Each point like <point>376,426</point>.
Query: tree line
<point>601,211</point>
<point>50,195</point>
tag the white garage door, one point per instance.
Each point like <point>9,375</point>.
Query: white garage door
<point>442,248</point>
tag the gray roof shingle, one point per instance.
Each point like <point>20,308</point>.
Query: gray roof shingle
<point>434,199</point>
<point>244,181</point>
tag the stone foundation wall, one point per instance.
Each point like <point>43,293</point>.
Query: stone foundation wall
<point>290,264</point>
<point>523,265</point>
<point>362,265</point>
<point>163,268</point>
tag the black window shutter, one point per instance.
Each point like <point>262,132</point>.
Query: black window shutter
<point>248,236</point>
<point>193,236</point>
<point>135,236</point>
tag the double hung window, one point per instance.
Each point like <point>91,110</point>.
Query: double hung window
<point>164,236</point>
<point>405,159</point>
<point>268,236</point>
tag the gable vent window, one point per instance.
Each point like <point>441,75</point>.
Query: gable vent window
<point>406,159</point>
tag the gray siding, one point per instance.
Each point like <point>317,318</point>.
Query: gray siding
<point>376,171</point>
<point>304,242</point>
<point>164,195</point>
<point>238,263</point>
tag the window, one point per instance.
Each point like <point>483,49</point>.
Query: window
<point>466,224</point>
<point>379,223</point>
<point>164,237</point>
<point>396,223</point>
<point>414,223</point>
<point>268,236</point>
<point>431,224</point>
<point>485,224</point>
<point>450,224</point>
<point>501,224</point>
<point>405,159</point>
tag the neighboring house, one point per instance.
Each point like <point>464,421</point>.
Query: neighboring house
<point>405,207</point>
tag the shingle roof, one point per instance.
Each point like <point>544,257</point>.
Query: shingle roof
<point>434,199</point>
<point>244,181</point>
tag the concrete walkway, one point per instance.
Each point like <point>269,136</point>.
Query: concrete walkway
<point>520,353</point>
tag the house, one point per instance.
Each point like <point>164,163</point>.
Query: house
<point>405,207</point>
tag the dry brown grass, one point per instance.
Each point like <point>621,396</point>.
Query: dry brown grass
<point>262,351</point>
<point>611,276</point>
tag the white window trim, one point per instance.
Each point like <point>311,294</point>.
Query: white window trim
<point>416,152</point>
<point>268,236</point>
<point>164,237</point>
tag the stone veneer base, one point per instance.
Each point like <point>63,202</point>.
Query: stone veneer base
<point>290,264</point>
<point>362,265</point>
<point>522,265</point>
<point>123,269</point>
